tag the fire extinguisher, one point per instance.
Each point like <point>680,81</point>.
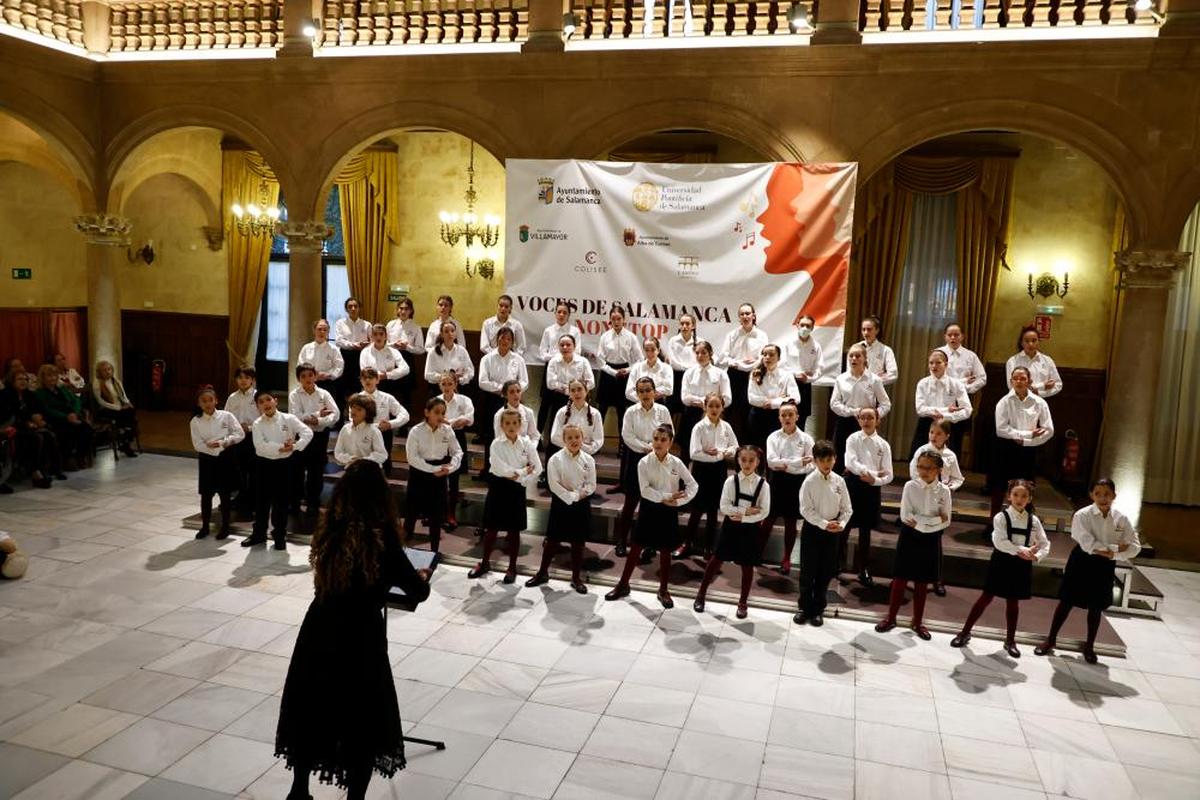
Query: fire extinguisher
<point>157,368</point>
<point>1070,462</point>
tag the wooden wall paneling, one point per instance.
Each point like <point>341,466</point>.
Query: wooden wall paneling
<point>193,347</point>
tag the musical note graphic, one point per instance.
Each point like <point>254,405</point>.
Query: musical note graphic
<point>750,240</point>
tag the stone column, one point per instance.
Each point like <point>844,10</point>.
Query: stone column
<point>545,26</point>
<point>837,23</point>
<point>1182,19</point>
<point>97,31</point>
<point>1146,277</point>
<point>297,14</point>
<point>107,236</point>
<point>305,240</point>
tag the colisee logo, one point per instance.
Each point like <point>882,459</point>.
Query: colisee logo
<point>646,196</point>
<point>546,190</point>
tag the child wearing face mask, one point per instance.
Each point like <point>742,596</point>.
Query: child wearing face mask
<point>802,357</point>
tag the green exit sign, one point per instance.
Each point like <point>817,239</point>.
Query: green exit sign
<point>22,274</point>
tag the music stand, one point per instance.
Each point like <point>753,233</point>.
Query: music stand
<point>420,559</point>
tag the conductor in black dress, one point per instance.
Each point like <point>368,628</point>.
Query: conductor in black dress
<point>339,716</point>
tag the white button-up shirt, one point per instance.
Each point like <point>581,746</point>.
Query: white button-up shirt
<point>492,326</point>
<point>617,348</point>
<point>434,333</point>
<point>1016,419</point>
<point>241,405</point>
<point>495,370</point>
<point>851,393</point>
<point>739,345</point>
<point>1038,542</point>
<point>324,357</point>
<point>387,408</point>
<point>924,504</point>
<point>951,474</point>
<point>801,356</point>
<point>425,445</point>
<point>963,364</point>
<point>529,426</point>
<point>593,431</point>
<point>571,478</point>
<point>869,455</point>
<point>658,480</point>
<point>548,348</point>
<point>456,360</point>
<point>219,426</point>
<point>271,432</point>
<point>777,385</point>
<point>934,396</point>
<point>1094,531</point>
<point>1041,369</point>
<point>408,332</point>
<point>660,373</point>
<point>825,499</point>
<point>560,373</point>
<point>459,407</point>
<point>791,454</point>
<point>681,354</point>
<point>699,382</point>
<point>350,333</point>
<point>304,405</point>
<point>359,441</point>
<point>511,458</point>
<point>881,361</point>
<point>386,360</point>
<point>747,484</point>
<point>708,434</point>
<point>638,424</point>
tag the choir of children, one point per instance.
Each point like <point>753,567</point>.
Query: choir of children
<point>274,459</point>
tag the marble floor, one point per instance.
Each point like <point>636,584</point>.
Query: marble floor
<point>138,663</point>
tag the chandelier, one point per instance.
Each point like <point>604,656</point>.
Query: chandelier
<point>256,219</point>
<point>467,228</point>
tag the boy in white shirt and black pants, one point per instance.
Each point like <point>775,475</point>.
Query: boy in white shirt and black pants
<point>277,437</point>
<point>868,470</point>
<point>317,409</point>
<point>826,509</point>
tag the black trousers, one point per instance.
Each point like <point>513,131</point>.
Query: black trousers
<point>247,479</point>
<point>310,473</point>
<point>274,494</point>
<point>818,566</point>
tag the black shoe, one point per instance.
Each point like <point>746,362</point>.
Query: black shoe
<point>224,532</point>
<point>538,580</point>
<point>480,570</point>
<point>510,576</point>
<point>1089,655</point>
<point>742,611</point>
<point>939,589</point>
<point>922,632</point>
<point>1044,649</point>
<point>698,606</point>
<point>865,578</point>
<point>621,551</point>
<point>579,586</point>
<point>817,621</point>
<point>202,533</point>
<point>960,640</point>
<point>648,556</point>
<point>618,591</point>
<point>885,625</point>
<point>1011,649</point>
<point>254,539</point>
<point>800,618</point>
<point>665,599</point>
<point>280,543</point>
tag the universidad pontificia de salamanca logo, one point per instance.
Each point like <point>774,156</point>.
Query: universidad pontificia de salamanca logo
<point>568,195</point>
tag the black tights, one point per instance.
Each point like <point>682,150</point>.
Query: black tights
<point>920,591</point>
<point>714,568</point>
<point>1012,609</point>
<point>489,544</point>
<point>357,778</point>
<point>1060,616</point>
<point>664,566</point>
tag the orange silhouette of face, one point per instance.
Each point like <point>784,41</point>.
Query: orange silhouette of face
<point>807,222</point>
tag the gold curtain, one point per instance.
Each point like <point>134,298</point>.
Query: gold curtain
<point>880,249</point>
<point>983,208</point>
<point>369,188</point>
<point>243,174</point>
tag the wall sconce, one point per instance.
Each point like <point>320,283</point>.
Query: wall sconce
<point>143,253</point>
<point>570,23</point>
<point>1047,285</point>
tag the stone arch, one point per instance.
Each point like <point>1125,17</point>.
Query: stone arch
<point>189,186</point>
<point>1122,163</point>
<point>126,141</point>
<point>1183,197</point>
<point>45,150</point>
<point>602,134</point>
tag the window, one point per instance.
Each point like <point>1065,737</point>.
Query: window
<point>275,311</point>
<point>337,289</point>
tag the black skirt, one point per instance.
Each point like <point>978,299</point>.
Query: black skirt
<point>569,523</point>
<point>461,436</point>
<point>916,555</point>
<point>1009,576</point>
<point>657,525</point>
<point>675,403</point>
<point>785,493</point>
<point>866,500</point>
<point>920,435</point>
<point>218,474</point>
<point>629,473</point>
<point>425,493</point>
<point>740,542</point>
<point>1012,460</point>
<point>711,477</point>
<point>504,508</point>
<point>763,422</point>
<point>840,429</point>
<point>1088,580</point>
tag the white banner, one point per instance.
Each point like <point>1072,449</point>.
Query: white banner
<point>660,240</point>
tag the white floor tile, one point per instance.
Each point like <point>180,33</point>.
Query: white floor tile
<point>883,781</point>
<point>223,763</point>
<point>75,730</point>
<point>516,767</point>
<point>719,757</point>
<point>148,746</point>
<point>899,747</point>
<point>1083,777</point>
<point>473,712</point>
<point>828,777</point>
<point>729,718</point>
<point>209,706</point>
<point>551,726</point>
<point>598,779</point>
<point>630,741</point>
<point>651,704</point>
<point>79,780</point>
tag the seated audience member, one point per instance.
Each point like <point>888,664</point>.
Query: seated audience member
<point>68,376</point>
<point>112,404</point>
<point>64,412</point>
<point>24,425</point>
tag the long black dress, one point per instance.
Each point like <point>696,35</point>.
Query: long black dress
<point>339,710</point>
